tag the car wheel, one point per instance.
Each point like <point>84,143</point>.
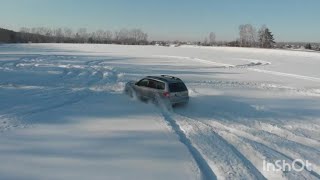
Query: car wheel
<point>163,103</point>
<point>129,92</point>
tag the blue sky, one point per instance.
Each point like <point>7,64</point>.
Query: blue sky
<point>289,20</point>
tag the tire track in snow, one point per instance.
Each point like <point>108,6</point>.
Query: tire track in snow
<point>255,157</point>
<point>79,77</point>
<point>206,171</point>
<point>288,135</point>
<point>291,149</point>
<point>273,154</point>
<point>230,134</point>
<point>259,86</point>
<point>233,138</point>
<point>212,149</point>
<point>8,123</point>
<point>45,99</point>
<point>255,138</point>
<point>227,161</point>
<point>254,62</point>
<point>309,78</point>
<point>197,60</point>
<point>77,98</point>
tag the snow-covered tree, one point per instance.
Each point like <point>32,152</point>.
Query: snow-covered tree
<point>58,33</point>
<point>68,32</point>
<point>266,39</point>
<point>82,35</point>
<point>247,35</point>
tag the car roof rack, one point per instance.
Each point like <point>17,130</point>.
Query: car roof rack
<point>171,77</point>
<point>156,77</point>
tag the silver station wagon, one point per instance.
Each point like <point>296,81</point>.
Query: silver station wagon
<point>168,88</point>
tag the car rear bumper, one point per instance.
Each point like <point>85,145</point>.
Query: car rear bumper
<point>181,100</point>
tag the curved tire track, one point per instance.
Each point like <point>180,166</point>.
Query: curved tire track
<point>206,171</point>
<point>215,156</point>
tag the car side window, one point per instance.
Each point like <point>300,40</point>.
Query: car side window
<point>143,83</point>
<point>160,85</point>
<point>152,84</point>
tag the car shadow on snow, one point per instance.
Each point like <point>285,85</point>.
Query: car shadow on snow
<point>249,110</point>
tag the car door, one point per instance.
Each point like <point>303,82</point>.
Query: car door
<point>142,89</point>
<point>152,88</point>
<point>156,87</point>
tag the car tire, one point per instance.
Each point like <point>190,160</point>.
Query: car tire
<point>163,103</point>
<point>129,92</point>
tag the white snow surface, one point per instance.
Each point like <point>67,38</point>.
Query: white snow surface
<point>63,113</point>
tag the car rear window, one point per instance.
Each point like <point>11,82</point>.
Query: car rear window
<point>177,87</point>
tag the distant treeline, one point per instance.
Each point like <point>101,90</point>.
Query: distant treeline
<point>67,35</point>
<point>249,36</point>
<point>7,36</point>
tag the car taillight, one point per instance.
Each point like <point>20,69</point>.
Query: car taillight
<point>166,94</point>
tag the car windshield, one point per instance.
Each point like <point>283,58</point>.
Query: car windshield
<point>177,87</point>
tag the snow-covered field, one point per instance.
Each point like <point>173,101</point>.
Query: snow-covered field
<point>63,114</point>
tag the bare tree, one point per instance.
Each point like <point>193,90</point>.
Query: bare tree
<point>58,34</point>
<point>133,36</point>
<point>99,36</point>
<point>108,35</point>
<point>68,32</point>
<point>61,35</point>
<point>212,38</point>
<point>25,34</point>
<point>25,30</point>
<point>138,36</point>
<point>82,35</point>
<point>34,30</point>
<point>123,36</point>
<point>48,32</point>
<point>205,41</point>
<point>247,35</point>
